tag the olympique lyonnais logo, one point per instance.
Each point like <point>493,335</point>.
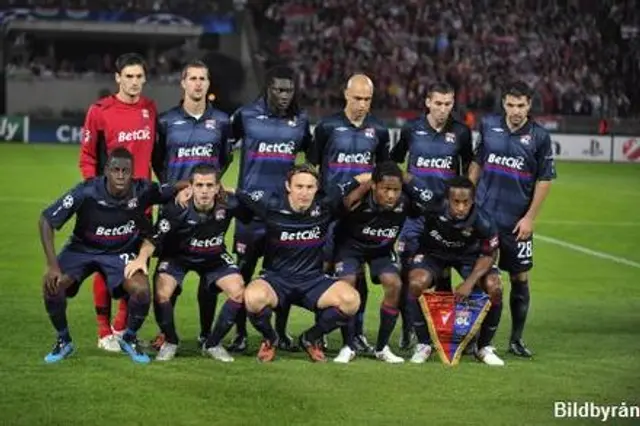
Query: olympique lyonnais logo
<point>452,325</point>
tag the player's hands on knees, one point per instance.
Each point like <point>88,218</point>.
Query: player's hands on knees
<point>524,228</point>
<point>463,291</point>
<point>52,279</point>
<point>134,266</point>
<point>183,197</point>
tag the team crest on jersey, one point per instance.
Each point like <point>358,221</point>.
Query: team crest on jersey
<point>315,212</point>
<point>67,202</point>
<point>369,132</point>
<point>132,204</point>
<point>525,140</point>
<point>220,214</point>
<point>210,124</point>
<point>450,137</point>
<point>339,268</point>
<point>163,266</point>
<point>293,122</point>
<point>466,232</point>
<point>418,258</point>
<point>399,208</point>
<point>145,113</point>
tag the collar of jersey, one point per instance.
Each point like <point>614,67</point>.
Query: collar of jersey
<point>446,128</point>
<point>208,111</point>
<point>104,193</point>
<point>522,130</point>
<point>364,125</point>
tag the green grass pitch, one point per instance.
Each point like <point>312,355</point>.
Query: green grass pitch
<point>583,326</point>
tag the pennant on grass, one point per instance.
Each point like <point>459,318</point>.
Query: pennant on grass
<point>452,324</point>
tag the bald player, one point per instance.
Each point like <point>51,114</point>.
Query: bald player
<point>346,144</point>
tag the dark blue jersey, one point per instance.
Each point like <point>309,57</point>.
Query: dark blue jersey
<point>105,224</point>
<point>511,164</point>
<point>184,234</point>
<point>184,141</point>
<point>344,151</point>
<point>372,229</point>
<point>294,240</point>
<point>269,145</point>
<point>447,238</point>
<point>434,156</point>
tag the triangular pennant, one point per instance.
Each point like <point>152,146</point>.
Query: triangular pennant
<point>453,324</point>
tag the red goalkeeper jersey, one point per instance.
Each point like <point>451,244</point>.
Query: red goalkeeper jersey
<point>111,123</point>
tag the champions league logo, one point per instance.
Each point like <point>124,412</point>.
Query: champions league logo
<point>370,132</point>
<point>67,202</point>
<point>452,325</point>
<point>132,204</point>
<point>220,214</point>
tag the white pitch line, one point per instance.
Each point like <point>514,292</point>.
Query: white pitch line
<point>585,250</point>
<point>587,222</point>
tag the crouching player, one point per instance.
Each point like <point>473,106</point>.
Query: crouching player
<point>457,235</point>
<point>296,229</point>
<point>110,223</point>
<point>192,239</point>
<point>367,234</point>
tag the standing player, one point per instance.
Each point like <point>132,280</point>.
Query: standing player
<point>273,131</point>
<point>192,239</point>
<point>191,133</point>
<point>439,147</point>
<point>458,235</point>
<point>514,168</point>
<point>346,144</point>
<point>367,234</point>
<point>127,120</point>
<point>296,227</point>
<point>107,234</point>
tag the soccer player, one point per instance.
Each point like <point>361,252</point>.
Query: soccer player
<point>459,235</point>
<point>439,147</point>
<point>110,222</point>
<point>344,145</point>
<point>192,239</point>
<point>128,120</point>
<point>191,133</point>
<point>513,168</point>
<point>273,130</point>
<point>367,234</point>
<point>296,227</point>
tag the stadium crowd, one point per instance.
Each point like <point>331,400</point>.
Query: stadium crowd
<point>571,52</point>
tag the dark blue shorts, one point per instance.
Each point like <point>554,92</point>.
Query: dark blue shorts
<point>515,256</point>
<point>250,239</point>
<point>210,273</point>
<point>349,261</point>
<point>408,239</point>
<point>79,266</point>
<point>437,266</point>
<point>297,291</point>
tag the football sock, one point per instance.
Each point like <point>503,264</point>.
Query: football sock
<point>138,310</point>
<point>363,290</point>
<point>120,322</point>
<point>165,319</point>
<point>262,322</point>
<point>225,321</point>
<point>519,300</point>
<point>282,318</point>
<point>490,325</point>
<point>102,303</point>
<point>419,322</point>
<point>207,301</point>
<point>388,318</point>
<point>56,306</point>
<point>329,320</point>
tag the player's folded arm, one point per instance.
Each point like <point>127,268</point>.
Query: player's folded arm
<point>257,202</point>
<point>422,198</point>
